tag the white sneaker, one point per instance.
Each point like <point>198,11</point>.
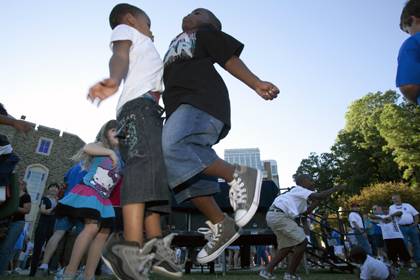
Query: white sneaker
<point>288,276</point>
<point>266,275</point>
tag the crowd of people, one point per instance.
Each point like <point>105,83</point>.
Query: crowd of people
<point>122,181</point>
<point>388,233</point>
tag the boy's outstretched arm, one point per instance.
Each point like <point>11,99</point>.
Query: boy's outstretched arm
<point>19,125</point>
<point>326,193</point>
<point>118,68</point>
<point>237,68</point>
<point>317,197</point>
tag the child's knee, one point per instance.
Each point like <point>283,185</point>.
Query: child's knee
<point>91,227</point>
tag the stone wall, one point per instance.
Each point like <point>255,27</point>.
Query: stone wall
<point>54,164</point>
<point>64,146</point>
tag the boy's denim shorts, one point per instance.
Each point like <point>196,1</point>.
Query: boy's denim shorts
<point>66,224</point>
<point>187,140</point>
<point>140,143</point>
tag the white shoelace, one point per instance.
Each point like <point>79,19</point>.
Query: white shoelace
<point>211,234</point>
<point>237,193</point>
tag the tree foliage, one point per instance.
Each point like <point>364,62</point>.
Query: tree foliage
<point>321,167</point>
<point>380,194</point>
<point>400,127</point>
<point>379,143</point>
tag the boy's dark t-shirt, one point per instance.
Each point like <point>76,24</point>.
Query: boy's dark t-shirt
<point>25,198</point>
<point>46,218</point>
<point>190,76</point>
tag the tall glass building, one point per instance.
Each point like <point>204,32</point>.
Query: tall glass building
<point>249,157</point>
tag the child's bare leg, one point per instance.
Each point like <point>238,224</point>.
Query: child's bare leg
<point>221,169</point>
<point>52,245</point>
<point>280,255</point>
<point>298,252</point>
<point>152,225</point>
<point>80,246</point>
<point>133,215</point>
<point>95,251</point>
<point>208,206</point>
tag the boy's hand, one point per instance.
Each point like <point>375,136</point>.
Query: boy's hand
<point>102,90</point>
<point>266,90</point>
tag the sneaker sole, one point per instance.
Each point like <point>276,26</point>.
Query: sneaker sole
<point>163,272</point>
<point>116,270</point>
<point>109,265</point>
<point>216,253</point>
<point>266,277</point>
<point>255,203</point>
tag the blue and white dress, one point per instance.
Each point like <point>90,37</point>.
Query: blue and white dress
<point>90,199</point>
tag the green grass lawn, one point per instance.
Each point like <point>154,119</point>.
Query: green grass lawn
<point>316,275</point>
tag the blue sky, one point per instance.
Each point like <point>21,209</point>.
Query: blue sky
<point>322,55</point>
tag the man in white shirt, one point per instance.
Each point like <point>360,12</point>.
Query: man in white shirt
<point>393,238</point>
<point>407,222</point>
<point>356,223</point>
<point>281,216</point>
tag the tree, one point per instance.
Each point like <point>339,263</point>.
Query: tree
<point>400,126</point>
<point>322,168</point>
<point>355,167</point>
<point>360,155</point>
<point>380,194</point>
<point>379,143</point>
<point>364,117</point>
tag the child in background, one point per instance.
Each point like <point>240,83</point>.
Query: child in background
<point>73,177</point>
<point>90,201</point>
<point>45,227</point>
<point>291,238</point>
<point>370,268</point>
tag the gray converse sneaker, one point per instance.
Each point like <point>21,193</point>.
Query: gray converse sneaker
<point>244,193</point>
<point>222,235</point>
<point>266,275</point>
<point>126,260</point>
<point>164,261</point>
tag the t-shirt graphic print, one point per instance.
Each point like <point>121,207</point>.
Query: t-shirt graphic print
<point>181,48</point>
<point>102,176</point>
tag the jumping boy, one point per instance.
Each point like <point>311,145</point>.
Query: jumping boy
<point>145,193</point>
<point>198,116</point>
<point>281,217</point>
<point>408,72</point>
